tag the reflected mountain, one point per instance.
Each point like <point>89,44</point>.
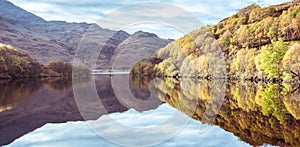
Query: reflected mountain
<point>26,105</point>
<point>257,113</point>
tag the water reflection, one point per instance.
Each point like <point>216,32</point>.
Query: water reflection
<point>26,105</point>
<point>116,131</point>
<point>21,90</point>
<point>257,113</point>
<point>79,133</point>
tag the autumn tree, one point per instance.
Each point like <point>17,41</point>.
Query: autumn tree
<point>63,68</point>
<point>291,61</point>
<point>14,64</point>
<point>244,64</point>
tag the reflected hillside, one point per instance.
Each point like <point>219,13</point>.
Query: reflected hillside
<point>26,105</point>
<point>16,91</point>
<point>29,104</point>
<point>257,113</point>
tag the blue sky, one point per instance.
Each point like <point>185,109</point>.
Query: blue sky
<point>208,11</point>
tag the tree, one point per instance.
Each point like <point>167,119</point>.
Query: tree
<point>63,68</point>
<point>272,102</point>
<point>14,64</point>
<point>272,56</point>
<point>291,61</point>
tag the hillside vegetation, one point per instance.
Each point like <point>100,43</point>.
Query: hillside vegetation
<point>14,64</point>
<point>254,44</point>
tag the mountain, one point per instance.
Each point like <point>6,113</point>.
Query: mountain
<point>254,44</point>
<point>8,10</point>
<point>56,40</point>
<point>141,45</point>
<point>38,47</point>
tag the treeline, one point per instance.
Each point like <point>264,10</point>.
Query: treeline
<point>254,44</point>
<point>14,64</point>
<point>279,60</point>
<point>257,113</point>
<point>66,69</point>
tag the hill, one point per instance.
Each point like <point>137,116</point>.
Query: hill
<point>14,64</point>
<point>141,45</point>
<point>254,44</point>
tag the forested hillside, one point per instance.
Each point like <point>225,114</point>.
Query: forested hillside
<point>14,64</point>
<point>254,44</point>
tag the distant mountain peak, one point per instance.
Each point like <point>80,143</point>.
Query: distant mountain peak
<point>9,10</point>
<point>144,34</point>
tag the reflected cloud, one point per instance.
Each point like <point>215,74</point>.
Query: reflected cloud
<point>79,134</point>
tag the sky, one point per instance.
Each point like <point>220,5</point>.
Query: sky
<point>91,11</point>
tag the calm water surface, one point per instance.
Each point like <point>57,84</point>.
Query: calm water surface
<point>46,112</point>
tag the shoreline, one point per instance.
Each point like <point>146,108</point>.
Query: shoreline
<point>255,80</point>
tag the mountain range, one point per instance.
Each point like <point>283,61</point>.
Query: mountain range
<point>58,40</point>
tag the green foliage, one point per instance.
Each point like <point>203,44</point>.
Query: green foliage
<point>272,103</point>
<point>286,76</point>
<point>295,12</point>
<point>271,33</point>
<point>272,56</point>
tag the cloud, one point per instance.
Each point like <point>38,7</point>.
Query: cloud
<point>208,11</point>
<point>91,10</point>
<point>151,14</point>
<point>88,10</point>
